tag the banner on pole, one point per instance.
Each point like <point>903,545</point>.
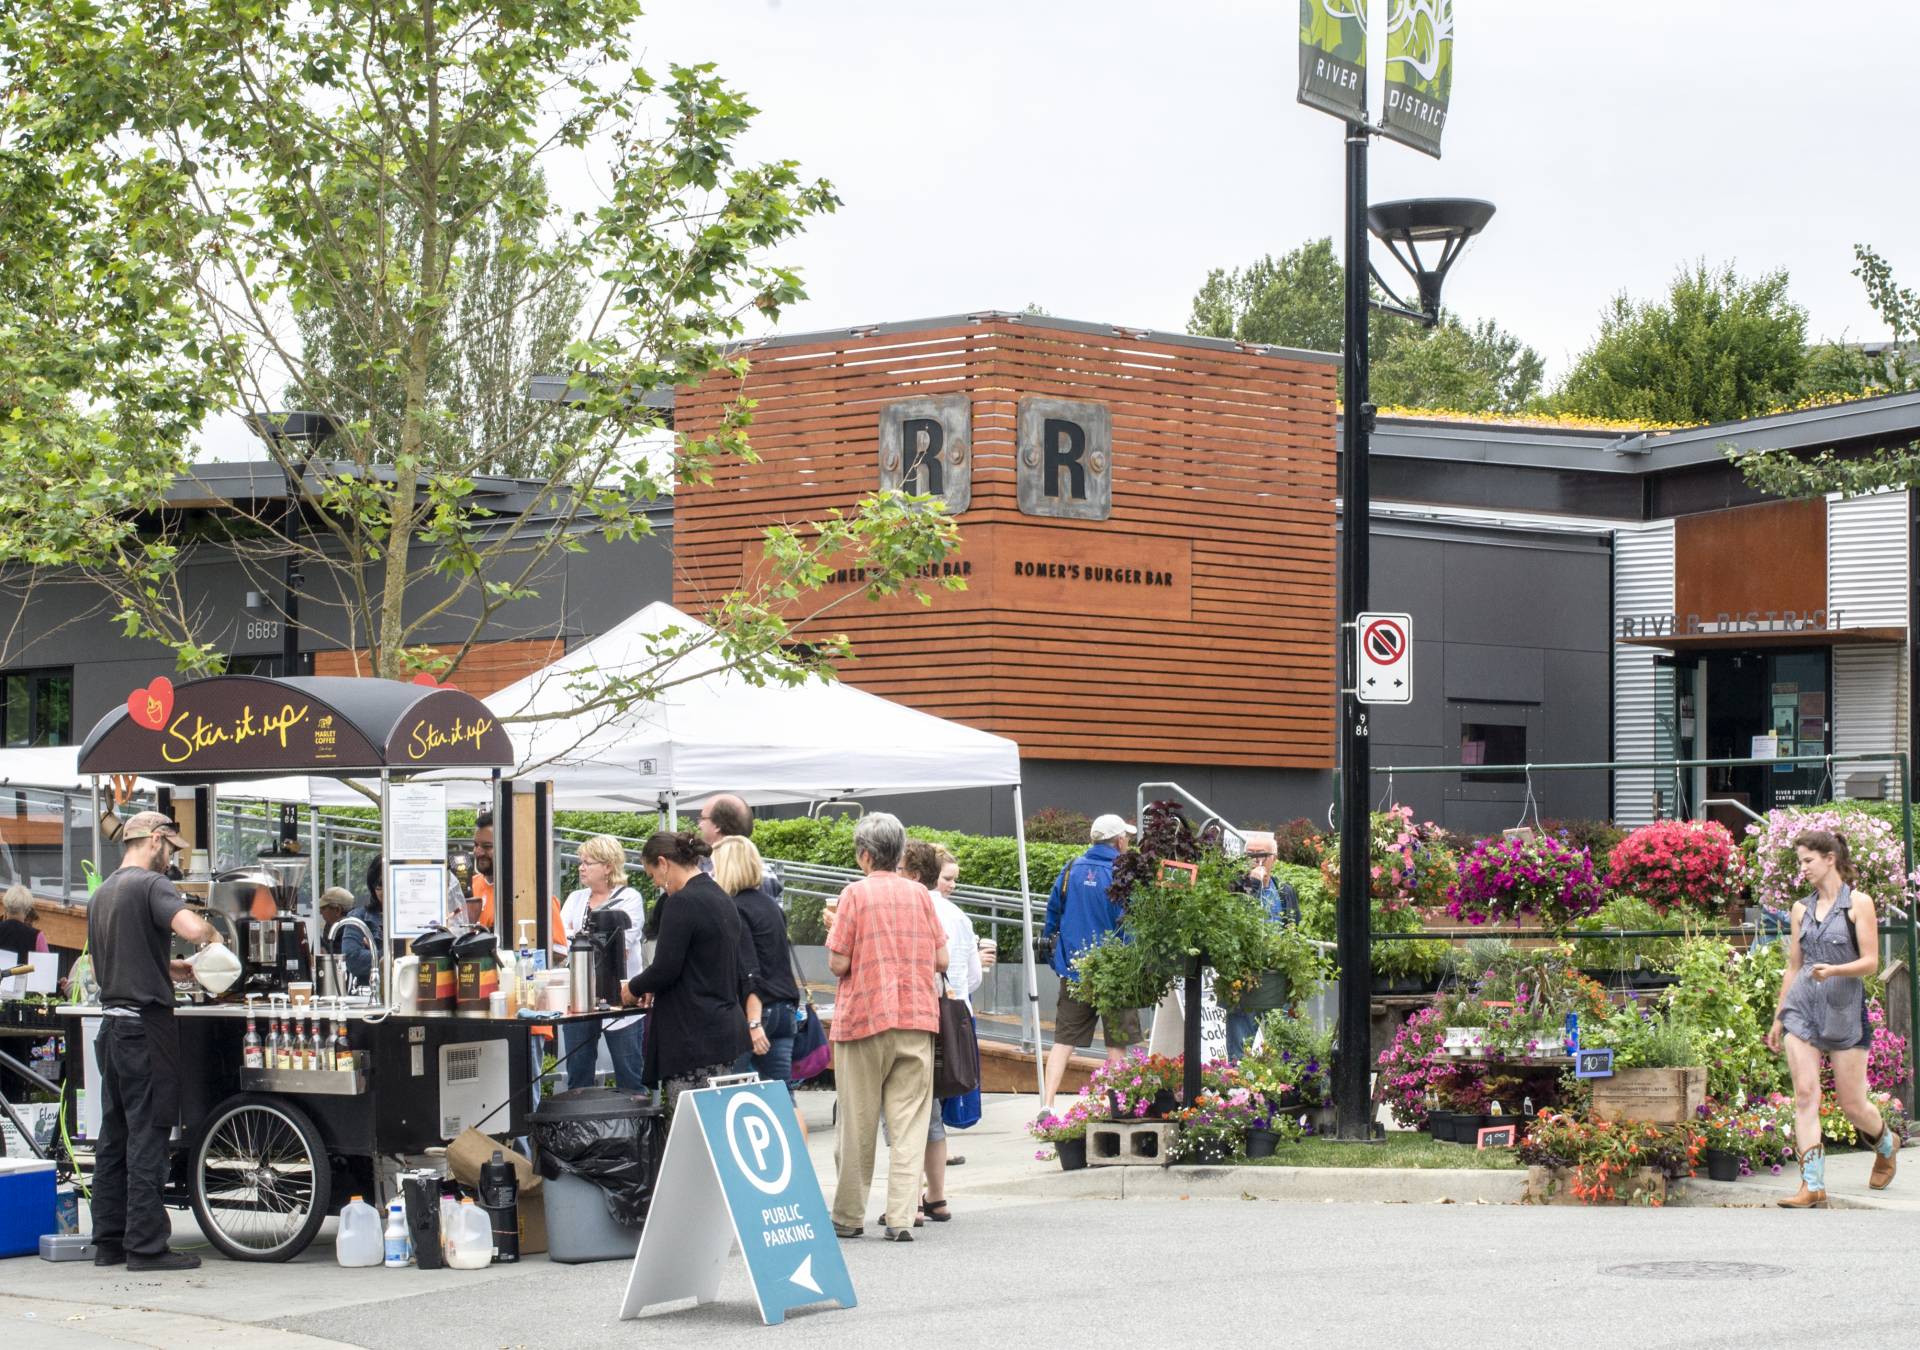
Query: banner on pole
<point>1333,57</point>
<point>1419,72</point>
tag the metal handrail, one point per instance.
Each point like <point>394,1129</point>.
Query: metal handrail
<point>1209,816</point>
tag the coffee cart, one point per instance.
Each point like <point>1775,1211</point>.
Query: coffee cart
<point>264,1155</point>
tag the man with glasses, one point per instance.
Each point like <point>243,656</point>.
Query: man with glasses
<point>728,815</point>
<point>132,920</point>
<point>1283,906</point>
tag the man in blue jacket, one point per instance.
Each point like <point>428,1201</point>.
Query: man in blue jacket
<point>1079,914</point>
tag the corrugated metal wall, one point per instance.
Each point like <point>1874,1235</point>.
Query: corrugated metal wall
<point>1867,588</point>
<point>1642,584</point>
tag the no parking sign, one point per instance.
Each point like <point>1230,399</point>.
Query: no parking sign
<point>737,1170</point>
<point>1384,671</point>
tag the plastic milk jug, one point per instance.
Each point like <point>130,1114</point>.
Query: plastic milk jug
<point>359,1242</point>
<point>472,1245</point>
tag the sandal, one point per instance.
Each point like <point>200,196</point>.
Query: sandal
<point>936,1210</point>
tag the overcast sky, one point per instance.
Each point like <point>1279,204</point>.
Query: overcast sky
<point>1096,157</point>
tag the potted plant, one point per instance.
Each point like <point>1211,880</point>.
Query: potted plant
<point>1138,1086</point>
<point>1658,1074</point>
<point>1606,1162</point>
<point>1269,1125</point>
<point>1686,865</point>
<point>1541,878</point>
<point>1213,1128</point>
<point>1067,1132</point>
<point>1720,1128</point>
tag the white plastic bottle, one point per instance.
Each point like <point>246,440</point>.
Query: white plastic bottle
<point>398,1245</point>
<point>471,1246</point>
<point>359,1242</point>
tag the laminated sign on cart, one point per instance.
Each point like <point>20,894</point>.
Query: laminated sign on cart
<point>737,1170</point>
<point>1384,672</point>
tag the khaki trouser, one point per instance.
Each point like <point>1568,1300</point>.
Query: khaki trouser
<point>889,1075</point>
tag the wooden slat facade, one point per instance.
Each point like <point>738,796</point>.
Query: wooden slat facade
<point>1223,496</point>
<point>486,669</point>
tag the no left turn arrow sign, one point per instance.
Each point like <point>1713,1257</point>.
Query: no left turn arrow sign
<point>1384,672</point>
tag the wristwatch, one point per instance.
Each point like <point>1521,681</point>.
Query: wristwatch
<point>753,1026</point>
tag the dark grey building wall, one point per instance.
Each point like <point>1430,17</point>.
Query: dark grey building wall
<point>70,623</point>
<point>1509,629</point>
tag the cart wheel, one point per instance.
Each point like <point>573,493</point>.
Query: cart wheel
<point>259,1179</point>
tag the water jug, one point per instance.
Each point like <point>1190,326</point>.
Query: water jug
<point>359,1242</point>
<point>471,1247</point>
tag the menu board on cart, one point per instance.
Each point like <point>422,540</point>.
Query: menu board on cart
<point>416,898</point>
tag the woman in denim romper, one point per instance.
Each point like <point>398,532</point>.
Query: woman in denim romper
<point>1823,1011</point>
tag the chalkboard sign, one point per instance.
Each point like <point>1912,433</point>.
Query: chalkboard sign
<point>1593,1063</point>
<point>1499,1136</point>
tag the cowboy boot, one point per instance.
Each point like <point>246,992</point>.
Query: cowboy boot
<point>1886,1154</point>
<point>1813,1182</point>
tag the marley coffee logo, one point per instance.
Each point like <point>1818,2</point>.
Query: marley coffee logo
<point>926,447</point>
<point>1419,72</point>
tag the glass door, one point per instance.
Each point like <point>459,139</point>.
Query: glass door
<point>1759,703</point>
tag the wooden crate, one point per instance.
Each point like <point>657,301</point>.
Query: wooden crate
<point>1657,1096</point>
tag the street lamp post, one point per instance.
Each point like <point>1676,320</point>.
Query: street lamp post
<point>306,429</point>
<point>1403,226</point>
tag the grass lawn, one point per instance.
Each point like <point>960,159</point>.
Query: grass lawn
<point>1401,1149</point>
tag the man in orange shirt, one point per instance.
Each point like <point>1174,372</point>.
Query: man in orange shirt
<point>480,889</point>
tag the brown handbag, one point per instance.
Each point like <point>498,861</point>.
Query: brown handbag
<point>956,1049</point>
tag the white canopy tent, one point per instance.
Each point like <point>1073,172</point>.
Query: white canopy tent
<point>711,731</point>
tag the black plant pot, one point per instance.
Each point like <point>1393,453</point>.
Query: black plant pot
<point>1261,1143</point>
<point>1722,1165</point>
<point>1164,1103</point>
<point>1072,1154</point>
<point>1466,1128</point>
<point>1440,1126</point>
<point>1211,1152</point>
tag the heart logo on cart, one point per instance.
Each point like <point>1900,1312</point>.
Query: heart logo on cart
<point>152,706</point>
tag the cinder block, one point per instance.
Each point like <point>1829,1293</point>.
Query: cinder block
<point>1127,1143</point>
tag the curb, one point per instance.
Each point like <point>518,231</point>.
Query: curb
<point>1298,1185</point>
<point>1364,1185</point>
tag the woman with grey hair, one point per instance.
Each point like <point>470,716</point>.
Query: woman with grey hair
<point>603,885</point>
<point>18,933</point>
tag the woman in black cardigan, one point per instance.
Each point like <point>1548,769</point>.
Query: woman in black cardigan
<point>695,987</point>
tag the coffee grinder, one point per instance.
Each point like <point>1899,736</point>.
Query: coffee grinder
<point>272,941</point>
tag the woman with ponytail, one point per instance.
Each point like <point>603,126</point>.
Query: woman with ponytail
<point>1823,1011</point>
<point>696,985</point>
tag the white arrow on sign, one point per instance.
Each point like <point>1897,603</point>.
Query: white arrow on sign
<point>804,1276</point>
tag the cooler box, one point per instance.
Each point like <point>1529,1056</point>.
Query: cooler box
<point>26,1205</point>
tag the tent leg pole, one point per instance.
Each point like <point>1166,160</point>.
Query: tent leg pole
<point>99,863</point>
<point>1031,1017</point>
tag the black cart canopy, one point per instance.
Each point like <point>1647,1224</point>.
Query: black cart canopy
<point>236,727</point>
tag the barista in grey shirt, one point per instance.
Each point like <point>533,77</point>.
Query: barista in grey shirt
<point>132,920</point>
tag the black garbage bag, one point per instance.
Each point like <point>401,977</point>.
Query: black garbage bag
<point>605,1136</point>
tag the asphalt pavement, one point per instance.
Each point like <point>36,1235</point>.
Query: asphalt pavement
<point>1036,1256</point>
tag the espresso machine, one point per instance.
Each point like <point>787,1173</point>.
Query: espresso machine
<point>262,899</point>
